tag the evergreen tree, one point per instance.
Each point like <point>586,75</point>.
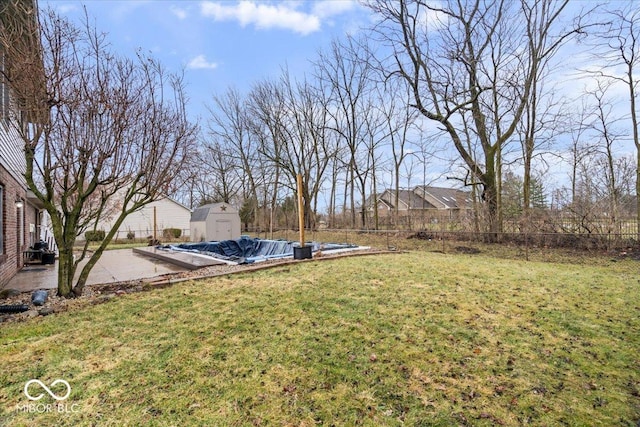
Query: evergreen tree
<point>512,195</point>
<point>538,196</point>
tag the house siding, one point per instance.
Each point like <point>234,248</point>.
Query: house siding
<point>13,183</point>
<point>19,225</point>
<point>169,214</point>
<point>11,154</point>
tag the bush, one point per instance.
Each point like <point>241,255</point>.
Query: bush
<point>172,233</point>
<point>131,235</point>
<point>95,235</point>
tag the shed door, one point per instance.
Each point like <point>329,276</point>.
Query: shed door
<point>223,229</point>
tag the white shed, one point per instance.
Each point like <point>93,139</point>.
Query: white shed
<point>215,222</point>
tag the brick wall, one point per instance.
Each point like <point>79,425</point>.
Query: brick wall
<point>11,256</point>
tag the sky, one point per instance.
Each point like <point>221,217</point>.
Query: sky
<point>221,44</point>
<point>235,44</point>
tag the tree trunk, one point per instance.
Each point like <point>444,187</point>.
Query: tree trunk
<point>491,199</point>
<point>344,200</point>
<point>638,193</point>
<point>309,218</point>
<point>66,271</point>
<point>352,194</point>
<point>526,186</point>
<point>376,219</point>
<point>333,196</point>
<point>396,202</point>
<point>497,180</point>
<point>491,196</point>
<point>363,213</point>
<point>476,206</point>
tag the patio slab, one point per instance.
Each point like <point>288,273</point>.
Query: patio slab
<point>186,260</point>
<point>113,266</point>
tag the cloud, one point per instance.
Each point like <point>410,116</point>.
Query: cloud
<point>179,12</point>
<point>123,10</point>
<point>263,16</point>
<point>327,8</point>
<point>200,62</point>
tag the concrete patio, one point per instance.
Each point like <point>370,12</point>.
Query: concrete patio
<point>113,266</point>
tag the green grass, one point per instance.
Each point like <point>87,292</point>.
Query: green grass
<point>417,339</point>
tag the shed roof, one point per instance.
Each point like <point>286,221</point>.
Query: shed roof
<point>201,213</point>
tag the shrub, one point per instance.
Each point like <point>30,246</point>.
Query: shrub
<point>95,235</point>
<point>131,235</point>
<point>172,233</point>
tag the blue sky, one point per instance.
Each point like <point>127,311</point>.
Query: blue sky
<point>230,43</point>
<point>221,43</point>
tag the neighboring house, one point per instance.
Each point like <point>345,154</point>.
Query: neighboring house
<point>168,214</point>
<point>20,211</point>
<point>432,201</point>
<point>447,199</point>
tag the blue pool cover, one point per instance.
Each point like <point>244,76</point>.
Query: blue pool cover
<point>248,250</point>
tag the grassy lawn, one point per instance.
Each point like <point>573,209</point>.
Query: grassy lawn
<point>401,339</point>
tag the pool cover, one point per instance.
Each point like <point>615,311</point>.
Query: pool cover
<point>247,250</point>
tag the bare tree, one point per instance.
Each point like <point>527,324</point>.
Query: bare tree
<point>221,174</point>
<point>228,124</point>
<point>294,138</point>
<point>618,48</point>
<point>540,121</point>
<point>346,69</point>
<point>265,115</point>
<point>601,178</point>
<point>374,136</point>
<point>100,127</point>
<point>401,121</point>
<point>336,166</point>
<point>472,61</point>
<point>608,134</point>
<point>308,147</point>
<point>578,123</point>
<point>190,193</point>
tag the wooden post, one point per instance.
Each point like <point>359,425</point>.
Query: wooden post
<point>271,223</point>
<point>155,226</point>
<point>300,210</point>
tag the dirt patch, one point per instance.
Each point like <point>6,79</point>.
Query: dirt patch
<point>422,235</point>
<point>630,253</point>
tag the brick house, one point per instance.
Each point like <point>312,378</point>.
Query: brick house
<point>20,210</point>
<point>420,205</point>
<point>438,201</point>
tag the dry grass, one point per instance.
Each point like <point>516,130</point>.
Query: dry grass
<point>402,339</point>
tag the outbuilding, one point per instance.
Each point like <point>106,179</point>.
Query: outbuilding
<point>164,213</point>
<point>215,222</point>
